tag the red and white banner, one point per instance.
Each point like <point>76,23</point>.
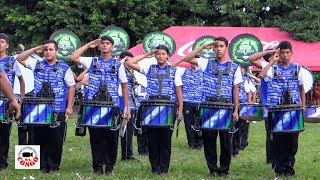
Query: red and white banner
<point>306,54</point>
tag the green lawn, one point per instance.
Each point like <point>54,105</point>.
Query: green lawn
<point>185,163</point>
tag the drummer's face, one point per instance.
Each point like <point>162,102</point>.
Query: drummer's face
<point>162,56</point>
<point>50,53</point>
<point>105,46</point>
<point>3,45</point>
<point>220,49</point>
<point>285,54</point>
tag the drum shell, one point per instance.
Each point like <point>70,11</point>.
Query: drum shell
<point>286,119</point>
<point>157,113</point>
<point>312,114</point>
<point>215,116</point>
<point>37,111</point>
<point>3,108</point>
<point>251,112</point>
<point>98,114</point>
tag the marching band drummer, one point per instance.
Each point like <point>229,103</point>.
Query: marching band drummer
<point>268,55</point>
<point>5,88</point>
<point>192,80</point>
<point>240,138</point>
<point>104,141</point>
<point>285,145</point>
<point>229,91</point>
<point>159,139</point>
<point>62,83</point>
<point>126,140</point>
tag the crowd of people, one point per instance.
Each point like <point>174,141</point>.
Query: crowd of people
<point>216,80</point>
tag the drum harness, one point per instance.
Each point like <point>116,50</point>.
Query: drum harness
<point>160,78</point>
<point>218,98</point>
<point>286,98</point>
<point>102,95</point>
<point>46,91</point>
<point>8,116</point>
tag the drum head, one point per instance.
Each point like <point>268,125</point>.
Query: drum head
<point>307,79</point>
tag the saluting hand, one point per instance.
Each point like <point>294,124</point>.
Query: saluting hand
<point>94,43</point>
<point>40,48</point>
<point>208,45</point>
<point>151,53</point>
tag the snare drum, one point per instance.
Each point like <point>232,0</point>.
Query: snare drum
<point>215,115</point>
<point>312,114</point>
<point>251,112</point>
<point>3,108</point>
<point>286,118</point>
<point>157,113</point>
<point>37,111</point>
<point>98,114</point>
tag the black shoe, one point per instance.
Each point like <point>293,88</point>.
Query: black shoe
<point>123,159</point>
<point>289,174</point>
<point>223,174</point>
<point>156,172</point>
<point>133,159</point>
<point>164,174</point>
<point>44,170</point>
<point>54,170</point>
<point>98,171</point>
<point>109,172</point>
<point>213,174</point>
<point>144,154</point>
<point>199,147</point>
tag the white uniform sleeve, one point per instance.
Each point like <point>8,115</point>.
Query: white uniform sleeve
<point>202,63</point>
<point>31,64</point>
<point>264,64</point>
<point>246,87</point>
<point>145,68</point>
<point>85,62</point>
<point>68,78</point>
<point>301,75</point>
<point>122,75</point>
<point>237,76</point>
<point>252,87</point>
<point>16,69</point>
<point>177,77</point>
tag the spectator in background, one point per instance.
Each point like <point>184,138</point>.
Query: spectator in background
<point>316,93</point>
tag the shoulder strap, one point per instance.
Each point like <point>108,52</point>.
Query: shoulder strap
<point>227,72</point>
<point>114,66</point>
<point>295,71</point>
<point>95,62</point>
<point>275,71</point>
<point>9,64</point>
<point>56,66</point>
<point>38,65</point>
<point>154,71</point>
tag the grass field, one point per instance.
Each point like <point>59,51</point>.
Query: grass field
<point>185,163</point>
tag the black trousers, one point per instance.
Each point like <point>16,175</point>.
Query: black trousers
<point>284,149</point>
<point>236,139</point>
<point>142,139</point>
<point>244,133</point>
<point>25,135</point>
<point>269,158</point>
<point>159,143</point>
<point>126,140</point>
<point>104,146</point>
<point>5,131</point>
<point>190,113</point>
<point>210,150</point>
<point>51,142</point>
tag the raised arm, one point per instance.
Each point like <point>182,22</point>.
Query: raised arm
<point>190,58</point>
<point>75,56</point>
<point>255,58</point>
<point>133,62</point>
<point>265,70</point>
<point>81,75</point>
<point>25,54</point>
